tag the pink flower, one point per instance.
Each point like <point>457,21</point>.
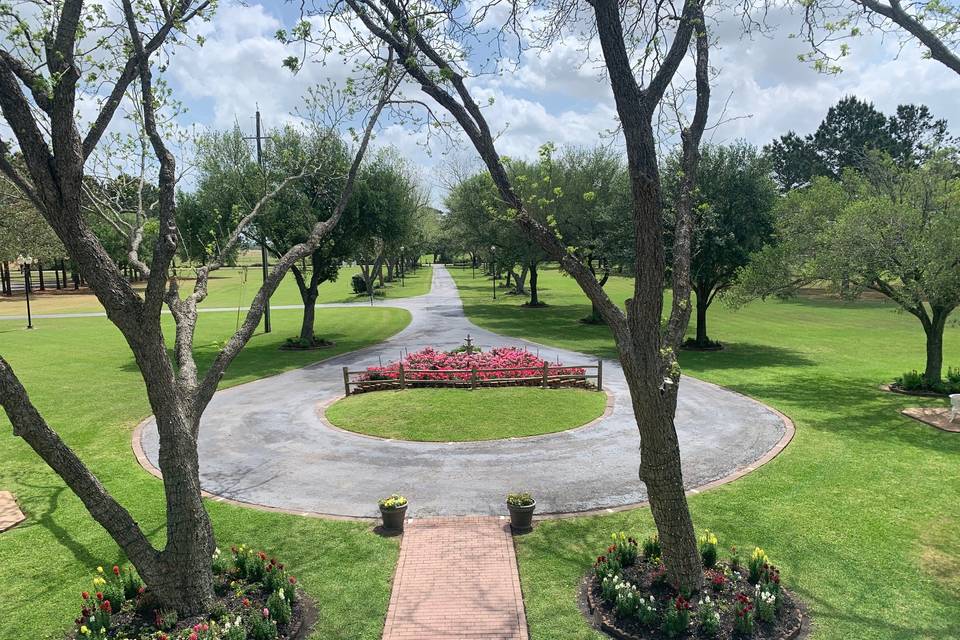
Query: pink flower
<point>266,612</point>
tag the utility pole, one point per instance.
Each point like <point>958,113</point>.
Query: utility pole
<point>263,238</point>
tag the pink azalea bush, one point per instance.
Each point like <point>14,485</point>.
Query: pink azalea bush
<point>430,364</point>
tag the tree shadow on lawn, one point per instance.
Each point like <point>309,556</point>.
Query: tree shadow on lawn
<point>744,355</point>
<point>262,359</point>
<point>851,407</point>
<point>46,517</point>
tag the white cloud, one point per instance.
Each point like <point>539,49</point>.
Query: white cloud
<point>560,94</point>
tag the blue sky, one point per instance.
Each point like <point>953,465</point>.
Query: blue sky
<point>761,88</point>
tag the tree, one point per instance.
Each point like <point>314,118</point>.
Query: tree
<point>593,213</point>
<point>734,198</point>
<point>385,203</point>
<point>885,228</point>
<point>850,129</point>
<point>57,54</point>
<point>230,180</point>
<point>931,24</point>
<point>432,44</point>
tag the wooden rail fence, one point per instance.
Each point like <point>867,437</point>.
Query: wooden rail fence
<point>544,378</point>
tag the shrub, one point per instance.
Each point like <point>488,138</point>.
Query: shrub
<point>708,617</point>
<point>358,284</point>
<point>743,615</point>
<point>260,626</point>
<point>765,604</point>
<point>676,617</point>
<point>625,549</point>
<point>756,565</point>
<point>647,612</point>
<point>279,607</point>
<point>606,567</point>
<point>628,600</point>
<point>651,547</point>
<point>393,501</point>
<point>456,365</point>
<point>734,559</point>
<point>608,588</point>
<point>953,376</point>
<point>717,580</point>
<point>520,499</point>
<point>708,549</point>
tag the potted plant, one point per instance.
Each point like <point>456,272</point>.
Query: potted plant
<point>393,510</point>
<point>521,506</point>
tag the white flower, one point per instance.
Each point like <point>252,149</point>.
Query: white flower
<point>280,593</point>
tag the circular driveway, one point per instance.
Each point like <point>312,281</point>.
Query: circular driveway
<point>264,442</point>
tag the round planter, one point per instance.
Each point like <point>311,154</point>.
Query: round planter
<point>521,518</point>
<point>393,518</point>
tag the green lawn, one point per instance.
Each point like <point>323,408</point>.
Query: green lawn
<point>862,510</point>
<point>228,288</point>
<point>457,415</point>
<point>82,377</point>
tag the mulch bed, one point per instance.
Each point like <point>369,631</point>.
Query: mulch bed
<point>691,345</point>
<point>791,622</point>
<point>318,343</point>
<point>140,622</point>
<point>923,393</point>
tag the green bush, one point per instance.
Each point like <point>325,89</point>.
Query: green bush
<point>358,283</point>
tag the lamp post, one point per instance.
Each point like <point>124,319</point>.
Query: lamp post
<point>401,267</point>
<point>24,264</point>
<point>493,254</point>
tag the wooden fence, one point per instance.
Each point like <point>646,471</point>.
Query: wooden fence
<point>544,378</point>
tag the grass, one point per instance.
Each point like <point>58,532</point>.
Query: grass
<point>81,376</point>
<point>459,415</point>
<point>228,288</point>
<point>861,511</point>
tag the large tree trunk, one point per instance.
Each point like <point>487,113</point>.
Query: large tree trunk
<point>933,371</point>
<point>185,579</point>
<point>703,303</point>
<point>534,291</point>
<point>309,291</point>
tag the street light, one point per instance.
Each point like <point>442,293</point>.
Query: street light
<point>24,264</point>
<point>401,267</point>
<point>493,253</point>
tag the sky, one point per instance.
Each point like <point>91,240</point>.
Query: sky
<point>761,90</point>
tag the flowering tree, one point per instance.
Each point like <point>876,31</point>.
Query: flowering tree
<point>54,55</point>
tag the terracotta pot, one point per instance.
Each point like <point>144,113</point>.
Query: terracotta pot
<point>521,518</point>
<point>393,518</point>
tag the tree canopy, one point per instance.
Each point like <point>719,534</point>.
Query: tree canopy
<point>885,228</point>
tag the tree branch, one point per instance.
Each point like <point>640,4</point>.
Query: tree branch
<point>30,425</point>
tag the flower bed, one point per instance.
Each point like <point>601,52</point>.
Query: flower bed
<point>256,599</point>
<point>629,598</point>
<point>508,365</point>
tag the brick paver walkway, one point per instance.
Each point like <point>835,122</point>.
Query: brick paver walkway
<point>456,579</point>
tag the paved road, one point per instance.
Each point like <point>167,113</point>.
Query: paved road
<point>264,443</point>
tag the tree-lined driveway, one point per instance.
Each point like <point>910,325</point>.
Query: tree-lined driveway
<point>265,443</point>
